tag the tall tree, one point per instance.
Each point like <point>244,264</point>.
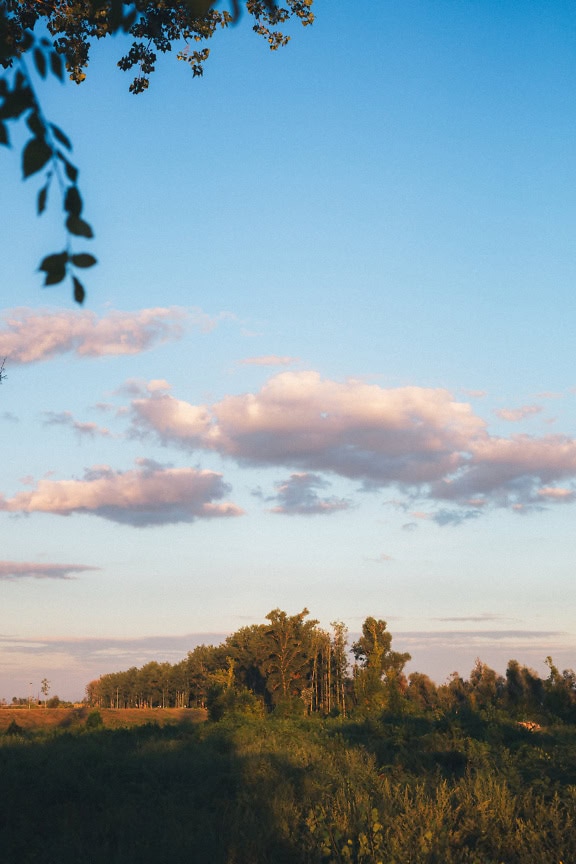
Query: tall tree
<point>379,677</point>
<point>373,649</point>
<point>340,662</point>
<point>485,685</point>
<point>290,651</point>
<point>249,649</point>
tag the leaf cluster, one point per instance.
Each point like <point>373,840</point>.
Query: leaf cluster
<point>47,149</point>
<point>155,26</point>
<point>73,25</point>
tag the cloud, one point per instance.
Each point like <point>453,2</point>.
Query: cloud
<point>419,440</point>
<point>480,637</point>
<point>454,517</point>
<point>381,559</point>
<point>556,493</point>
<point>12,570</point>
<point>509,472</point>
<point>514,415</point>
<point>31,336</point>
<point>298,496</point>
<point>474,394</point>
<point>408,435</point>
<point>149,495</point>
<point>268,360</point>
<point>65,418</point>
<point>485,616</point>
<point>133,387</point>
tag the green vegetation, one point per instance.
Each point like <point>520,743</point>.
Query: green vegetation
<point>382,788</point>
<point>300,761</point>
<point>292,667</point>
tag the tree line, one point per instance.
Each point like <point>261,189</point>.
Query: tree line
<point>290,665</point>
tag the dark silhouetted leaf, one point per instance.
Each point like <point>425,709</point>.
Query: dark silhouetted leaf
<point>18,100</point>
<point>36,154</point>
<point>83,259</point>
<point>73,201</point>
<point>27,40</point>
<point>55,277</point>
<point>4,135</point>
<point>42,198</point>
<point>79,227</point>
<point>35,124</point>
<point>40,62</point>
<point>54,266</point>
<point>56,65</point>
<point>55,261</point>
<point>129,19</point>
<point>71,170</point>
<point>79,292</point>
<point>61,137</point>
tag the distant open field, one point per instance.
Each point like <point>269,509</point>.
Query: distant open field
<point>38,718</point>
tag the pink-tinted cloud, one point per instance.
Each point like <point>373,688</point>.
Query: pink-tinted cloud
<point>514,415</point>
<point>298,496</point>
<point>408,435</point>
<point>31,335</point>
<point>13,570</point>
<point>84,430</point>
<point>419,440</point>
<point>556,493</point>
<point>148,495</point>
<point>510,471</point>
<point>268,360</point>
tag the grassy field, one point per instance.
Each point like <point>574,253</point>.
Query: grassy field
<point>135,786</point>
<point>35,719</point>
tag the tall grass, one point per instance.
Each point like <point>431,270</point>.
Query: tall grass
<point>257,790</point>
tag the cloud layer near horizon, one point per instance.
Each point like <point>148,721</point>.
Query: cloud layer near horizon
<point>12,570</point>
<point>420,440</point>
<point>148,495</point>
<point>31,336</point>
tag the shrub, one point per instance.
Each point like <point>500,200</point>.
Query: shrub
<point>94,720</point>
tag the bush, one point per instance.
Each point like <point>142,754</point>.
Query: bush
<point>94,720</point>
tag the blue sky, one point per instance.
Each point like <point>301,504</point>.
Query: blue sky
<point>326,358</point>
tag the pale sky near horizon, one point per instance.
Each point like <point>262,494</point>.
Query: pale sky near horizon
<point>326,358</point>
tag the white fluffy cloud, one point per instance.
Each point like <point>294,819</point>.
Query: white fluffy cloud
<point>420,440</point>
<point>408,435</point>
<point>148,495</point>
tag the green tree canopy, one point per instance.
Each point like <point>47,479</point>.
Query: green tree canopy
<point>373,650</point>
